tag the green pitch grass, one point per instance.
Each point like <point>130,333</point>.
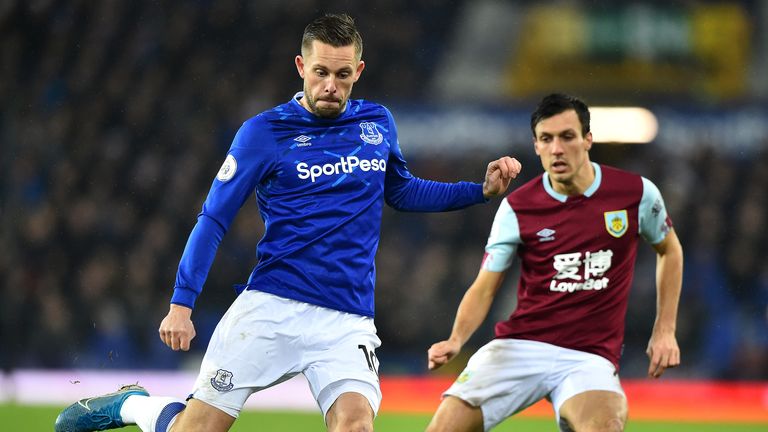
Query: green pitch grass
<point>33,419</point>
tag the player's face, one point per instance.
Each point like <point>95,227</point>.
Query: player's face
<point>563,150</point>
<point>329,73</point>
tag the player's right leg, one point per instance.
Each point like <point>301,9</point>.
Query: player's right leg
<point>455,415</point>
<point>131,404</point>
<point>594,411</point>
<point>589,396</point>
<point>253,348</point>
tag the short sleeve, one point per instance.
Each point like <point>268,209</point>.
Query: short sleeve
<point>503,240</point>
<point>654,220</point>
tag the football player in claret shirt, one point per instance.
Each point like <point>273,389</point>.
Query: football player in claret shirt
<point>575,230</point>
<point>322,166</point>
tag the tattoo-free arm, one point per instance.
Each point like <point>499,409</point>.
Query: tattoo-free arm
<point>663,350</point>
<point>472,311</point>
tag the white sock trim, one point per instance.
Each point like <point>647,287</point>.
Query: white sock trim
<point>143,411</point>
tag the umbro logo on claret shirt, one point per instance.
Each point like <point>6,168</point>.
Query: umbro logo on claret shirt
<point>546,235</point>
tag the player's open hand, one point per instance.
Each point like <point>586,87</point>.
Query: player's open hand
<point>663,353</point>
<point>441,353</point>
<point>499,174</point>
<point>176,329</point>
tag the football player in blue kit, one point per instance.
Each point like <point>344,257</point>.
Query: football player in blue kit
<point>322,166</point>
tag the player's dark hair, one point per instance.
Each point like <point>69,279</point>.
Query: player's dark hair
<point>557,103</point>
<point>336,30</point>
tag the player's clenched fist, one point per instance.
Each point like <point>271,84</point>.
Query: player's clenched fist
<point>499,174</point>
<point>176,329</point>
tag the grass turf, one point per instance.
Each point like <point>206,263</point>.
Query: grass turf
<point>36,418</point>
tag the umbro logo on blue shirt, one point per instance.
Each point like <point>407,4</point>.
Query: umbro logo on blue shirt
<point>303,141</point>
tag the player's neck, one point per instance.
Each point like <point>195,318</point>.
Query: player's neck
<point>578,184</point>
<point>303,102</point>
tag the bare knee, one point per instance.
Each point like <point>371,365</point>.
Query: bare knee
<point>602,424</point>
<point>350,421</point>
<point>350,413</point>
<point>615,424</point>
<point>595,411</point>
<point>353,425</point>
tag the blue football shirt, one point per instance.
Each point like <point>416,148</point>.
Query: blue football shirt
<point>320,185</point>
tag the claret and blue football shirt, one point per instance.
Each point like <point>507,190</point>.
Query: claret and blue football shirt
<point>320,185</point>
<point>577,257</point>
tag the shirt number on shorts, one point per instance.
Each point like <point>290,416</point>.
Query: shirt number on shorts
<point>370,358</point>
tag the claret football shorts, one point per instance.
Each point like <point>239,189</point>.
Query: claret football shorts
<point>264,340</point>
<point>506,376</point>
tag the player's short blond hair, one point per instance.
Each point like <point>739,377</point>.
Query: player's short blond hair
<point>337,30</point>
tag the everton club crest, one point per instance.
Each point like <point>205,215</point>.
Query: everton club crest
<point>370,133</point>
<point>222,381</point>
<point>616,222</point>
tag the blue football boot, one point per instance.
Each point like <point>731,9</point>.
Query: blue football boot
<point>97,413</point>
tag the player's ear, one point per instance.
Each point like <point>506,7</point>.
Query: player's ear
<point>359,71</point>
<point>300,65</point>
<point>535,147</point>
<point>588,140</point>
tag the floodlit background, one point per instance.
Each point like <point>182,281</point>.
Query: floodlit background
<point>116,116</point>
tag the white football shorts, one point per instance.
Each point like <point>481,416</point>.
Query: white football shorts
<point>264,340</point>
<point>506,376</point>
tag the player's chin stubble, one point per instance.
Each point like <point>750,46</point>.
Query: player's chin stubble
<point>322,112</point>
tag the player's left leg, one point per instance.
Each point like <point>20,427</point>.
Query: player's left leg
<point>129,405</point>
<point>350,412</point>
<point>341,367</point>
<point>595,411</point>
<point>588,396</point>
<point>455,414</point>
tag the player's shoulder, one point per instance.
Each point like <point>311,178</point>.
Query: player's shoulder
<point>254,124</point>
<point>267,117</point>
<point>530,194</point>
<point>528,189</point>
<point>608,170</point>
<point>367,108</point>
<point>253,131</point>
<point>278,112</point>
<point>621,180</point>
<point>367,104</point>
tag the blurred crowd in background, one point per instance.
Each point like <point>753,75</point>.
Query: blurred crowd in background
<point>116,116</point>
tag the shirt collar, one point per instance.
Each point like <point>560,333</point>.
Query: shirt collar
<point>587,193</point>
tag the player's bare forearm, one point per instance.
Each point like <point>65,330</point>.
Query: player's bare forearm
<point>663,350</point>
<point>499,174</point>
<point>472,311</point>
<point>669,279</point>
